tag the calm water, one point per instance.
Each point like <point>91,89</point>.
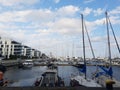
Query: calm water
<point>27,77</point>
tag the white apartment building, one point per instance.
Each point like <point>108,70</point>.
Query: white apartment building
<point>10,47</point>
<point>26,51</point>
<point>37,53</point>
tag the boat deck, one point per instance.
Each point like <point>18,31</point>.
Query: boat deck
<point>85,82</point>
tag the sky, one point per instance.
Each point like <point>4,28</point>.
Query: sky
<point>54,26</point>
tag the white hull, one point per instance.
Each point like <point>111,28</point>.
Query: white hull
<point>28,64</point>
<point>85,82</point>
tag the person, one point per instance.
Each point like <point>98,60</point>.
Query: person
<point>1,79</point>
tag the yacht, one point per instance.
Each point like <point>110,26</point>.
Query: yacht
<point>106,76</point>
<point>81,79</point>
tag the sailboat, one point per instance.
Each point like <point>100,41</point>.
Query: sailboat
<point>107,75</point>
<point>81,79</point>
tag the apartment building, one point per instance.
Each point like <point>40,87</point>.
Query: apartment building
<point>10,48</point>
<point>37,53</point>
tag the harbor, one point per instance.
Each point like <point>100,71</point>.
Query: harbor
<point>30,75</point>
<point>26,77</point>
<point>59,45</point>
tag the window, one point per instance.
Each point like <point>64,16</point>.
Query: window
<point>1,45</point>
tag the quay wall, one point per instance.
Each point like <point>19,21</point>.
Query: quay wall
<point>9,63</point>
<point>54,88</point>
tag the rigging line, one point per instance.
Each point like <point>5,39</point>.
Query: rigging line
<point>89,41</point>
<point>114,35</point>
<point>97,70</point>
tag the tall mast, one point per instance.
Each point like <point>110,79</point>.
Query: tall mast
<point>83,43</point>
<point>108,36</point>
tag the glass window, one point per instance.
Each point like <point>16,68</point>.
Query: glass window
<point>1,45</point>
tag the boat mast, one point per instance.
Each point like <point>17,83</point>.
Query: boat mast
<point>108,37</point>
<point>83,43</point>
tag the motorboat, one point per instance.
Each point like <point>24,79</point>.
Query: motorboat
<point>27,64</point>
<point>50,78</point>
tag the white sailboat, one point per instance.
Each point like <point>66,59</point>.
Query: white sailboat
<point>82,80</point>
<point>107,76</point>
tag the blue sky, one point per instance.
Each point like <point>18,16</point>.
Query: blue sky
<point>55,25</point>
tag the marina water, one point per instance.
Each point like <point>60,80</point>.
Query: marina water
<point>27,77</point>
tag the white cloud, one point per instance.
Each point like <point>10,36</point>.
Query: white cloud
<point>115,19</point>
<point>40,15</point>
<point>87,11</point>
<point>88,1</point>
<point>115,11</point>
<point>56,1</point>
<point>99,39</point>
<point>13,16</point>
<point>67,26</point>
<point>99,11</point>
<point>67,10</point>
<point>17,2</point>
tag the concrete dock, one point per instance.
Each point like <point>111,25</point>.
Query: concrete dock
<point>53,88</point>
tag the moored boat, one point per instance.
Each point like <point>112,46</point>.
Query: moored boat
<point>79,64</point>
<point>50,78</point>
<point>105,78</point>
<point>27,64</point>
<point>81,79</point>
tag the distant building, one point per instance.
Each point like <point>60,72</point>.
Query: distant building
<point>26,51</point>
<point>10,48</point>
